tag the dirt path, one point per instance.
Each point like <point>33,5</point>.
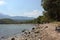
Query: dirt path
<point>50,33</point>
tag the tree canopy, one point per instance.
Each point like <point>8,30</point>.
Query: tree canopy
<point>52,8</point>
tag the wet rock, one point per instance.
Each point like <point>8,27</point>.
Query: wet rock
<point>33,28</point>
<point>24,30</point>
<point>12,38</point>
<point>2,37</point>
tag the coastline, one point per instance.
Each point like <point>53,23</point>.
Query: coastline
<point>25,35</point>
<point>41,32</point>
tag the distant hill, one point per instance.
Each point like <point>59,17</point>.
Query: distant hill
<point>2,16</point>
<point>21,18</point>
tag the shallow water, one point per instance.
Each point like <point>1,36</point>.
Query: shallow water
<point>12,29</point>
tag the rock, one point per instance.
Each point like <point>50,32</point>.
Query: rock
<point>46,27</point>
<point>57,28</point>
<point>24,30</point>
<point>33,28</point>
<point>25,39</point>
<point>2,37</point>
<point>12,38</point>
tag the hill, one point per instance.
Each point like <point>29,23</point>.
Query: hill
<point>2,16</point>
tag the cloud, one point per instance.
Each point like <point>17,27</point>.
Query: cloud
<point>34,13</point>
<point>2,2</point>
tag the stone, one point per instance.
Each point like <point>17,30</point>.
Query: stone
<point>12,38</point>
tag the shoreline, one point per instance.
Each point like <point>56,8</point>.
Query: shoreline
<point>33,34</point>
<point>41,32</point>
<point>20,36</point>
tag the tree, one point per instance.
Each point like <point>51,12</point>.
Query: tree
<point>40,19</point>
<point>52,7</point>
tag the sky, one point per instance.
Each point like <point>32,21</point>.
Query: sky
<point>29,8</point>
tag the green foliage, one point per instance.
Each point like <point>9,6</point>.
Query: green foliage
<point>6,21</point>
<point>40,19</point>
<point>10,21</point>
<point>52,7</point>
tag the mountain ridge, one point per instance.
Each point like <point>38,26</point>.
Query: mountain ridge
<point>3,16</point>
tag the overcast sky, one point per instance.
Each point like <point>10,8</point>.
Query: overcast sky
<point>30,8</point>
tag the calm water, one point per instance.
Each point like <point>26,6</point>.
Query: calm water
<point>11,29</point>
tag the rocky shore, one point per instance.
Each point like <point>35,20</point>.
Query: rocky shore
<point>40,32</point>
